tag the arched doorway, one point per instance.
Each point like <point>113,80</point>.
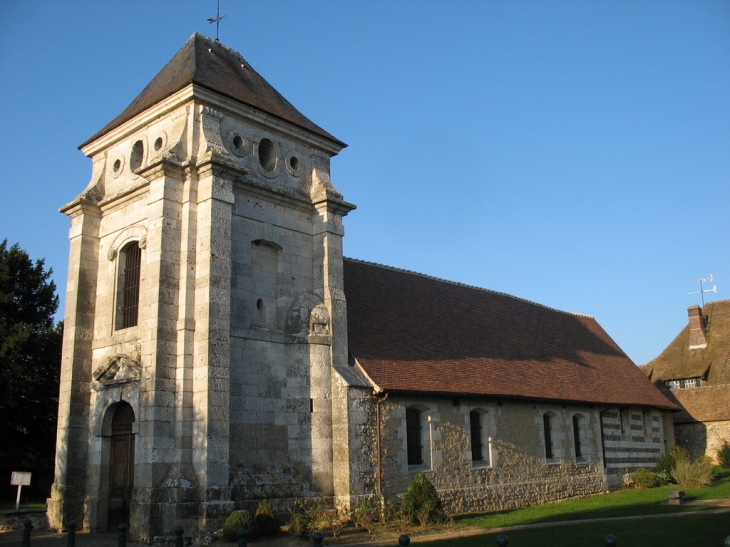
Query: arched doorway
<point>121,466</point>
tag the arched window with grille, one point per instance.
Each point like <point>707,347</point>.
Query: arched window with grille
<point>414,436</point>
<point>576,436</point>
<point>129,270</point>
<point>547,428</point>
<point>477,436</point>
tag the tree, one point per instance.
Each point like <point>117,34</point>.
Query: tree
<point>30,361</point>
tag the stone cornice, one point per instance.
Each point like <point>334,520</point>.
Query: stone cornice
<point>336,206</point>
<point>264,120</point>
<point>161,109</point>
<point>164,166</point>
<point>132,191</point>
<point>221,166</point>
<point>81,206</point>
<point>217,101</point>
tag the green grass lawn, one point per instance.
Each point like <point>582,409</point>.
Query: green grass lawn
<point>629,502</point>
<point>681,531</point>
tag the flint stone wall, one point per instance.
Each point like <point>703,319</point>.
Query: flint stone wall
<point>12,521</point>
<point>702,438</point>
<point>515,472</point>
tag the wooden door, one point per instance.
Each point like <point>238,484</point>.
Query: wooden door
<point>121,467</point>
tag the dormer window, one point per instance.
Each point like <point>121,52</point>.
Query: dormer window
<point>691,382</point>
<point>684,383</point>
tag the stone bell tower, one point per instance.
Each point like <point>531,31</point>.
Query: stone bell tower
<point>204,309</point>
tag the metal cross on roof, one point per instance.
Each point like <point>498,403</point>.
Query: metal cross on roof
<point>217,20</point>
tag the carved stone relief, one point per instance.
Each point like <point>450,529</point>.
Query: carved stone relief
<point>119,369</point>
<point>308,321</point>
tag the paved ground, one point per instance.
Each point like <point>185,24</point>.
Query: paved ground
<point>47,539</point>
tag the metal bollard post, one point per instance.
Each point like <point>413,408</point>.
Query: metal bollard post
<point>502,540</point>
<point>27,527</point>
<point>317,538</point>
<point>179,539</point>
<point>242,533</point>
<point>122,535</point>
<point>71,538</point>
<point>610,541</point>
<point>404,540</point>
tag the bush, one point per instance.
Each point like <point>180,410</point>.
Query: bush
<point>693,474</point>
<point>300,525</point>
<point>723,454</point>
<point>235,521</point>
<point>421,501</point>
<point>666,464</point>
<point>264,522</point>
<point>365,513</point>
<point>643,478</point>
<point>664,478</point>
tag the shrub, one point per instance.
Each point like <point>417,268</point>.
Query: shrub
<point>264,522</point>
<point>365,513</point>
<point>723,454</point>
<point>390,512</point>
<point>300,525</point>
<point>422,502</point>
<point>235,521</point>
<point>664,478</point>
<point>665,465</point>
<point>693,474</point>
<point>643,478</point>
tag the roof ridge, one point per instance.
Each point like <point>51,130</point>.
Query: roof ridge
<point>403,270</point>
<point>219,44</point>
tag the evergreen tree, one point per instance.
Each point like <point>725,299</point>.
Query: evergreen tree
<point>30,362</point>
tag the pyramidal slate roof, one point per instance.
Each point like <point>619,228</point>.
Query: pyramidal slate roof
<point>210,64</point>
<point>415,333</point>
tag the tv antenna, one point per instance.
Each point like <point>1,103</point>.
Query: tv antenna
<point>702,290</point>
<point>217,20</point>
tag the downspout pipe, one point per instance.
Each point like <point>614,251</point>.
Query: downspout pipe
<point>377,442</point>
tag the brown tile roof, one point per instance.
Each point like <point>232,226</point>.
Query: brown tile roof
<point>678,361</point>
<point>702,404</point>
<point>414,333</point>
<point>212,65</point>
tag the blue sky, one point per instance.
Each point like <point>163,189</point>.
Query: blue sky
<point>573,153</point>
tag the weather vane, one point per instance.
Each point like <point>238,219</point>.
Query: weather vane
<point>217,20</point>
<point>702,290</point>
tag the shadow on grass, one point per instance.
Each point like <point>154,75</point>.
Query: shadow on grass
<point>624,503</point>
<point>694,530</point>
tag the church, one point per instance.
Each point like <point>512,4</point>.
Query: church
<point>219,349</point>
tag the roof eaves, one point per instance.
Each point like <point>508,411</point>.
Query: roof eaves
<point>513,397</point>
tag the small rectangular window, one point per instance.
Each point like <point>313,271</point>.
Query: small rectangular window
<point>413,436</point>
<point>691,382</point>
<point>548,436</point>
<point>477,448</point>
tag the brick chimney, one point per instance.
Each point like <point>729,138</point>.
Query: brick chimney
<point>697,336</point>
